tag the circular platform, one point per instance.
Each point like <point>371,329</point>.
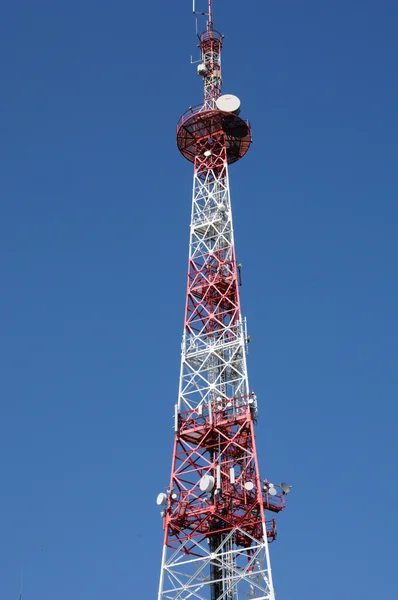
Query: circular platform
<point>197,124</point>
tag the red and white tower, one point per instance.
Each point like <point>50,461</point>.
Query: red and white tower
<point>216,543</point>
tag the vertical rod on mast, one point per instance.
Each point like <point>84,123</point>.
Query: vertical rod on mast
<point>210,16</point>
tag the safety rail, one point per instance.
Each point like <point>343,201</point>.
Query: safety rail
<point>192,110</point>
<point>211,35</point>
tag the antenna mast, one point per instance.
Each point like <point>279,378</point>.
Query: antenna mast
<point>215,509</point>
<point>210,16</point>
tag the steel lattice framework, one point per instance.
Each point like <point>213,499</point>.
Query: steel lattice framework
<point>216,544</point>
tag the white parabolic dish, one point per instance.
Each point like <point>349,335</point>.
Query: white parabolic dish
<point>206,484</point>
<point>228,103</point>
<point>161,499</point>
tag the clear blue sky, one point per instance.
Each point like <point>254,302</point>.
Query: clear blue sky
<point>95,207</point>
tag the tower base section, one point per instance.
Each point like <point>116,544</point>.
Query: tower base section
<point>203,570</point>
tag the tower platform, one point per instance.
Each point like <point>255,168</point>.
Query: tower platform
<point>197,124</point>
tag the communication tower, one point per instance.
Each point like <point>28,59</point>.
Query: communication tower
<point>216,533</point>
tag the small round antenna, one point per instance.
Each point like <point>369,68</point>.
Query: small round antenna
<point>206,483</point>
<point>285,487</point>
<point>161,499</point>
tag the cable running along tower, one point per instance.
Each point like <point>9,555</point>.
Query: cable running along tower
<point>216,533</point>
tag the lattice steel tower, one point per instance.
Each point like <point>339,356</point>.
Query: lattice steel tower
<point>214,510</point>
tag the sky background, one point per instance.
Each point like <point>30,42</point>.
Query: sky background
<point>94,220</point>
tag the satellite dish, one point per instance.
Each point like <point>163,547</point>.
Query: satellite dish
<point>272,491</point>
<point>161,500</point>
<point>249,486</point>
<point>285,487</point>
<point>206,484</point>
<point>228,103</point>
